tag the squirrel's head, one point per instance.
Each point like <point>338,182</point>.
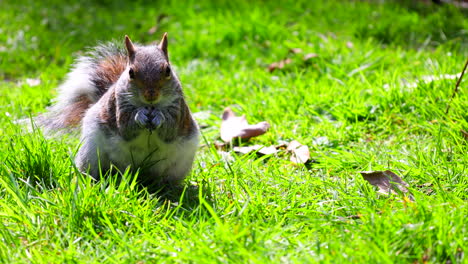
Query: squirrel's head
<point>149,74</point>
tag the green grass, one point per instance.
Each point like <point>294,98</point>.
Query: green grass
<point>249,209</point>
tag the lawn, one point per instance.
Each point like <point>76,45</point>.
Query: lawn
<point>371,96</point>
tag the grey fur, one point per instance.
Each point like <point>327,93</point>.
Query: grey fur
<point>121,127</point>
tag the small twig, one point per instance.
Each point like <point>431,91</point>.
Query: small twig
<point>456,87</point>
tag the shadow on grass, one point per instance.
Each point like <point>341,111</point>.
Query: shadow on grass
<point>416,24</point>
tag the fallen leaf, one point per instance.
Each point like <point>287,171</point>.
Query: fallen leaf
<point>310,56</point>
<point>154,28</point>
<point>219,145</point>
<point>293,145</point>
<point>279,65</point>
<point>246,149</point>
<point>386,181</point>
<point>233,127</point>
<point>358,216</point>
<point>300,153</point>
<point>281,144</point>
<point>33,82</point>
<point>268,150</point>
<point>295,50</point>
<point>258,148</point>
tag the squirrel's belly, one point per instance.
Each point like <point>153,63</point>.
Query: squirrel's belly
<point>148,152</point>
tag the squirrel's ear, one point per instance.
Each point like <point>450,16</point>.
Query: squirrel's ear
<point>130,47</point>
<point>163,45</point>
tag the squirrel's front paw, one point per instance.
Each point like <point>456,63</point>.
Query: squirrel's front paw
<point>149,118</point>
<point>157,119</point>
<point>142,117</point>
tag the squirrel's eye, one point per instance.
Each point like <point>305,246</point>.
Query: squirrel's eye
<point>168,72</point>
<point>131,73</point>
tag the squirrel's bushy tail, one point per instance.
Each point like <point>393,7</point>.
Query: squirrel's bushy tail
<point>90,77</point>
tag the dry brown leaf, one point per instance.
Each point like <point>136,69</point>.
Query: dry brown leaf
<point>279,65</point>
<point>310,56</point>
<point>293,145</point>
<point>268,150</point>
<point>154,28</point>
<point>33,82</point>
<point>281,145</point>
<point>233,127</point>
<point>300,153</point>
<point>258,148</point>
<point>246,149</point>
<point>295,50</point>
<point>219,145</point>
<point>386,181</point>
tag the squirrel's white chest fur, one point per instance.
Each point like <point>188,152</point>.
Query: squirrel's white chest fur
<point>145,147</point>
<point>148,151</point>
<point>169,161</point>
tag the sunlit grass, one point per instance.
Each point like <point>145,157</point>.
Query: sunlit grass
<point>358,105</point>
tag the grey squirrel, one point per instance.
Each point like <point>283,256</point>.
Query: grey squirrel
<point>132,112</point>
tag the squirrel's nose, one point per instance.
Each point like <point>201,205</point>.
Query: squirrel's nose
<point>151,95</point>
